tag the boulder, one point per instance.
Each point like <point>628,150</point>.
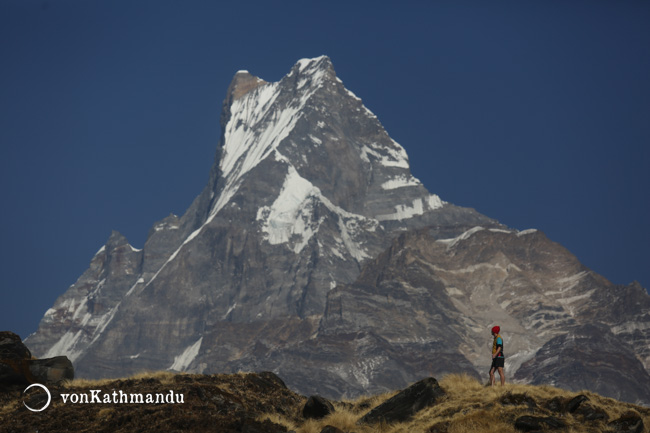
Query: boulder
<point>630,422</point>
<point>51,370</point>
<point>510,399</point>
<point>573,404</point>
<point>18,368</point>
<point>578,406</point>
<point>11,373</point>
<point>590,413</point>
<point>12,347</point>
<point>562,405</point>
<point>556,405</point>
<point>317,407</point>
<point>407,403</point>
<point>534,423</point>
<point>331,429</point>
<point>267,380</point>
<point>13,359</point>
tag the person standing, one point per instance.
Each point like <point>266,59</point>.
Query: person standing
<point>498,357</point>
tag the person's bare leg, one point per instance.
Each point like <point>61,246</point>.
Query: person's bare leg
<point>502,375</point>
<point>492,379</point>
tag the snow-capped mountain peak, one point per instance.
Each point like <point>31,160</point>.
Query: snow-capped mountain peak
<point>261,116</point>
<point>312,236</point>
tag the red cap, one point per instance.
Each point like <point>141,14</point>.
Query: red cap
<point>496,330</point>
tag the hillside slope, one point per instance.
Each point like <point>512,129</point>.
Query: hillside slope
<point>260,402</point>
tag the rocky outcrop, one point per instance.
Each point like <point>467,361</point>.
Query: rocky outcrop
<point>17,367</point>
<point>537,423</point>
<point>12,347</point>
<point>51,370</point>
<point>317,407</point>
<point>629,422</point>
<point>406,403</point>
<point>14,356</point>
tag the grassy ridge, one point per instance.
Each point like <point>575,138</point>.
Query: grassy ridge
<point>260,403</point>
<point>469,406</point>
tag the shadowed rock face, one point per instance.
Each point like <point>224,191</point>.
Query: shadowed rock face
<point>589,357</point>
<point>13,357</point>
<point>12,347</point>
<point>17,368</point>
<point>313,250</point>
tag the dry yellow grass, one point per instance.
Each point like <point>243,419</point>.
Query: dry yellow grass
<point>165,377</point>
<point>469,406</point>
<point>276,418</point>
<point>105,412</point>
<point>7,409</point>
<point>83,383</point>
<point>344,419</point>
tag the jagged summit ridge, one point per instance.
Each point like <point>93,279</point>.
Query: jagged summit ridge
<point>254,130</point>
<point>259,119</point>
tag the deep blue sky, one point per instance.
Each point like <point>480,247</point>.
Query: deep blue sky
<point>534,113</point>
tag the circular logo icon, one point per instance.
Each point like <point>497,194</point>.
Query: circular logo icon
<point>49,397</point>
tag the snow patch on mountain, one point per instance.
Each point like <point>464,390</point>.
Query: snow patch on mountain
<point>291,218</point>
<point>401,182</point>
<point>387,156</point>
<point>306,63</point>
<point>65,346</point>
<point>73,342</point>
<point>526,232</point>
<point>315,139</point>
<point>465,235</point>
<point>182,361</point>
<point>363,369</point>
<point>417,207</point>
<point>572,299</point>
<point>573,280</point>
<point>349,230</point>
<point>166,226</point>
<point>291,214</point>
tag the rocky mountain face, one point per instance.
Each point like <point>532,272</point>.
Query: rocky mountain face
<point>431,302</point>
<point>313,250</point>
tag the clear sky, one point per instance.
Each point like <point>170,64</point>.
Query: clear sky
<point>536,114</point>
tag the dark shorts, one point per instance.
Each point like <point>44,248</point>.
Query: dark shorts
<point>497,362</point>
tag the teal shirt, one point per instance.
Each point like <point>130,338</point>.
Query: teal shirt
<point>498,342</point>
